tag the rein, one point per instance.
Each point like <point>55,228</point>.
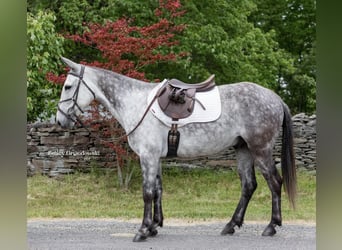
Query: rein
<point>74,118</point>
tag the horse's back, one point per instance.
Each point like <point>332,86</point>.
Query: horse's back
<point>256,110</point>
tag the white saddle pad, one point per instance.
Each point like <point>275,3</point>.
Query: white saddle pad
<point>211,101</point>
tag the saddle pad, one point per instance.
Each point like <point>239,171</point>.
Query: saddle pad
<point>211,101</point>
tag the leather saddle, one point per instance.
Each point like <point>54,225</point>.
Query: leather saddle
<point>177,99</point>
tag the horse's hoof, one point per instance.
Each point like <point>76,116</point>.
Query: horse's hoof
<point>269,231</point>
<point>139,237</point>
<point>228,229</point>
<point>153,233</point>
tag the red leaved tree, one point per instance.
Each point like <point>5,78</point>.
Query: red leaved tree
<point>127,49</point>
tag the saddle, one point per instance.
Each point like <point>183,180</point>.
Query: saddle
<point>177,99</point>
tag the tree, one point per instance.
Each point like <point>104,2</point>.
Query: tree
<point>44,48</point>
<point>220,40</point>
<point>48,19</point>
<point>294,25</point>
<point>268,42</point>
<point>128,49</point>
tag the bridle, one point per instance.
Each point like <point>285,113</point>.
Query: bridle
<point>74,97</point>
<point>74,118</point>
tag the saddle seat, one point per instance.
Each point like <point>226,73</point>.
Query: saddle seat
<point>200,87</point>
<point>177,99</point>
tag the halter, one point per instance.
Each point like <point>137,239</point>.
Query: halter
<point>74,97</point>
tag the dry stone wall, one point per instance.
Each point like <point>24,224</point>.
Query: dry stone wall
<point>304,127</point>
<point>52,150</point>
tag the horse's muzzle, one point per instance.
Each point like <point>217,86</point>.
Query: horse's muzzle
<point>64,121</point>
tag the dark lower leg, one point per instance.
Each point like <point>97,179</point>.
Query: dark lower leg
<point>158,211</point>
<point>146,225</point>
<point>240,210</point>
<point>152,190</point>
<point>248,186</point>
<point>274,182</point>
<point>149,171</point>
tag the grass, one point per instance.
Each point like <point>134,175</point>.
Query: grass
<point>197,194</point>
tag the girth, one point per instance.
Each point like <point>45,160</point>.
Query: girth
<point>177,100</point>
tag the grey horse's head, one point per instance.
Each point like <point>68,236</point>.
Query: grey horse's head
<point>77,93</point>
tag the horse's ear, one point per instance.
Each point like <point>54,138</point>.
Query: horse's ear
<point>69,63</point>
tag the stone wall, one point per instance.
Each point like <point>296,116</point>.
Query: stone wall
<point>52,150</point>
<point>304,127</point>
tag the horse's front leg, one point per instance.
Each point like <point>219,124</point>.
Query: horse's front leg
<point>158,211</point>
<point>150,169</point>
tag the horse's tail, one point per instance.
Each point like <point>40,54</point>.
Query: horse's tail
<point>288,166</point>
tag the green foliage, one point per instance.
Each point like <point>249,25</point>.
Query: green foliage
<point>44,48</point>
<point>294,24</point>
<point>220,40</point>
<point>268,42</point>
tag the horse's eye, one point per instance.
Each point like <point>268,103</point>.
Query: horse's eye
<point>66,87</point>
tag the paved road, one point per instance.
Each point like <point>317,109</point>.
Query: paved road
<point>116,234</point>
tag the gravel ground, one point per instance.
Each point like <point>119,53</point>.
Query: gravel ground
<point>176,234</point>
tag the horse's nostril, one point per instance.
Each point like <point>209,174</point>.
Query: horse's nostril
<point>58,122</point>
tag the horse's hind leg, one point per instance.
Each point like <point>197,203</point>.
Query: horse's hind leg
<point>248,186</point>
<point>274,181</point>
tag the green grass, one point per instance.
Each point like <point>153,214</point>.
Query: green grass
<point>192,194</point>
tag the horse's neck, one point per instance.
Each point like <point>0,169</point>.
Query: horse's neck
<point>125,98</point>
